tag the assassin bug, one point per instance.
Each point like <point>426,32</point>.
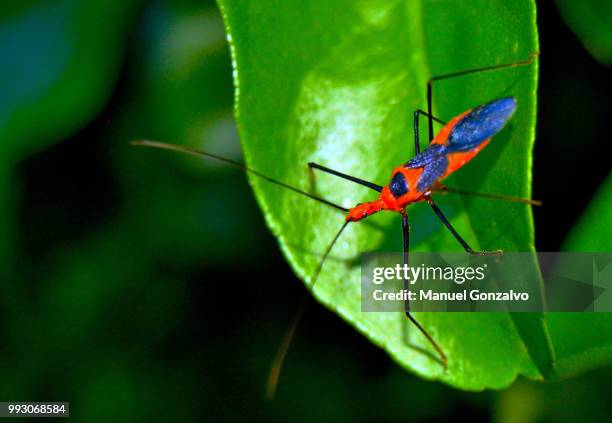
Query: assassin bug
<point>460,140</point>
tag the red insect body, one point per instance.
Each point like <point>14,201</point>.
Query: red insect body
<point>387,201</point>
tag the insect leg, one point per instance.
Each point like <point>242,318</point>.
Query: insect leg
<point>406,237</point>
<point>493,196</point>
<point>345,176</point>
<point>452,230</point>
<point>417,112</point>
<point>529,60</point>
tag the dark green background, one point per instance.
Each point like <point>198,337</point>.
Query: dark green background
<point>145,285</point>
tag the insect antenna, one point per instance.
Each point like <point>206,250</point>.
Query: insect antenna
<point>279,358</point>
<point>281,353</point>
<point>199,153</point>
<point>493,196</point>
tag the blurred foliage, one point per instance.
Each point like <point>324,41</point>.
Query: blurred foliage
<point>100,291</point>
<point>593,229</point>
<point>591,20</point>
<point>58,65</point>
<point>121,268</point>
<point>582,341</point>
<point>345,101</point>
<point>584,398</point>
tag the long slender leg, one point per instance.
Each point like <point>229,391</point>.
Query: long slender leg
<point>494,196</point>
<point>452,230</point>
<point>345,176</point>
<point>417,112</point>
<point>525,62</point>
<point>406,237</point>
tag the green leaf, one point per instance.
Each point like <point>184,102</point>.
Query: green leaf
<point>336,83</point>
<point>591,21</point>
<point>582,340</point>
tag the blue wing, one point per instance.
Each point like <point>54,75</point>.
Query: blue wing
<point>426,156</point>
<point>482,123</point>
<point>434,161</point>
<point>432,172</point>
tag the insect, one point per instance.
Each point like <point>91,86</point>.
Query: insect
<point>458,142</point>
